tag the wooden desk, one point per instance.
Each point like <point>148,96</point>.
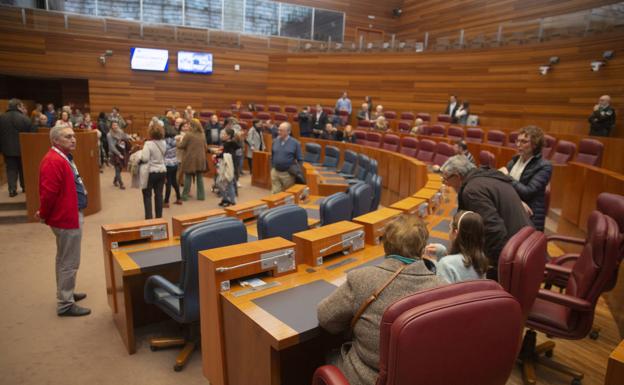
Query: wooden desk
<point>375,223</point>
<point>313,246</point>
<point>247,210</point>
<point>261,169</point>
<point>279,199</point>
<point>300,191</point>
<point>615,366</point>
<point>123,234</point>
<point>132,265</point>
<point>183,221</point>
<point>411,206</point>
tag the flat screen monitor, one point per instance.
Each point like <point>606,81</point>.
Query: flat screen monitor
<point>195,62</point>
<point>149,59</point>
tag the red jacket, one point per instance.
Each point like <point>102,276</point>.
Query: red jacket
<point>58,199</point>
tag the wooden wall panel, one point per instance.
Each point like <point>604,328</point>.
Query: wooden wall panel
<point>138,93</point>
<point>446,17</point>
<point>503,84</point>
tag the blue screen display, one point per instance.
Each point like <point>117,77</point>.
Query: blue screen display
<point>195,62</point>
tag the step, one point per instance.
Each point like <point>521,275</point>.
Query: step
<point>13,216</point>
<point>4,206</point>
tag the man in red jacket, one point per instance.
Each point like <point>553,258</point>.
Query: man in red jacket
<point>62,198</point>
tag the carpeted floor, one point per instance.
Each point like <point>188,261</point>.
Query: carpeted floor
<point>37,347</point>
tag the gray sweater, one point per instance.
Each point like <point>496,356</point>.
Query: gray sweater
<point>359,360</point>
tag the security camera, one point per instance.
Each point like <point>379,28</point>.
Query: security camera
<point>595,65</point>
<point>102,60</point>
<point>397,12</point>
<point>544,69</point>
<point>554,60</point>
<point>608,55</point>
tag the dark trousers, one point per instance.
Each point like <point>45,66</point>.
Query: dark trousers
<point>249,160</point>
<point>14,170</point>
<point>156,182</point>
<point>172,181</point>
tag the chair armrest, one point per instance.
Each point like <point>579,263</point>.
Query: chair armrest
<point>564,259</point>
<point>563,238</point>
<point>162,283</point>
<point>565,300</point>
<point>329,375</point>
<point>554,268</point>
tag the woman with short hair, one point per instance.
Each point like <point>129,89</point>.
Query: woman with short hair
<point>406,272</point>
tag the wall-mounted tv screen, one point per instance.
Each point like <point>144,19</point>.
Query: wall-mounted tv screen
<point>195,62</point>
<point>149,59</point>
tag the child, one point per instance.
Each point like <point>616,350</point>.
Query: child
<point>466,260</point>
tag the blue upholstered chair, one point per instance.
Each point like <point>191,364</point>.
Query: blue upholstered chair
<point>349,164</point>
<point>282,221</point>
<point>376,184</point>
<point>361,197</point>
<point>181,300</point>
<point>363,165</point>
<point>312,153</point>
<point>372,171</point>
<point>332,155</point>
<point>335,208</point>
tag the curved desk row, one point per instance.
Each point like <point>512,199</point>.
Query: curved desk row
<point>401,175</point>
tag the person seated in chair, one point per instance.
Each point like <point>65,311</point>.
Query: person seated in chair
<point>467,260</point>
<point>347,135</point>
<point>403,272</point>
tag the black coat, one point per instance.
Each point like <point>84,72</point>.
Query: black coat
<point>12,123</point>
<point>602,121</point>
<point>305,123</point>
<point>532,185</point>
<point>491,194</point>
<point>319,124</point>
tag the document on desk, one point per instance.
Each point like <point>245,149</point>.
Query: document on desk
<point>296,307</point>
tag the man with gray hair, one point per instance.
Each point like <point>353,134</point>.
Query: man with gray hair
<point>286,158</point>
<point>491,194</point>
<point>12,123</point>
<point>62,198</point>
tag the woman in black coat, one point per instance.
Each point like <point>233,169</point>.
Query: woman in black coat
<point>531,173</point>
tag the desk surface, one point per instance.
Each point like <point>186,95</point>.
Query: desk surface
<point>140,258</point>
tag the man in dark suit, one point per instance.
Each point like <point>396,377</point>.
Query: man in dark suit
<point>12,122</point>
<point>451,107</point>
<point>319,120</point>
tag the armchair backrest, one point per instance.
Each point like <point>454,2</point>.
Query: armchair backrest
<point>426,150</point>
<point>282,221</point>
<point>443,151</point>
<point>613,206</point>
<point>362,195</point>
<point>350,161</point>
<point>456,132</point>
<point>391,142</point>
<point>376,184</point>
<point>496,137</point>
<point>436,130</point>
<point>521,266</point>
<point>409,146</point>
<point>335,208</point>
<point>590,152</point>
<point>312,153</point>
<point>424,116</point>
<point>211,234</point>
<point>487,159</point>
<point>563,153</point>
<point>407,116</point>
<point>372,170</point>
<point>332,155</point>
<point>474,134</point>
<point>363,165</point>
<point>462,326</point>
<point>373,139</point>
<point>444,118</point>
<point>549,144</point>
<point>360,136</point>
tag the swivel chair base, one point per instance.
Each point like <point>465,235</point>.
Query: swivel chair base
<point>530,356</point>
<point>168,342</point>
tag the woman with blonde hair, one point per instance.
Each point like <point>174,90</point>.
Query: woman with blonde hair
<point>153,159</point>
<point>194,159</point>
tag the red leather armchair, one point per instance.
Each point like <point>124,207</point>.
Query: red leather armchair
<point>409,146</point>
<point>456,132</point>
<point>496,137</point>
<point>564,151</point>
<point>444,118</point>
<point>426,150</point>
<point>443,151</point>
<point>391,142</point>
<point>487,159</point>
<point>570,315</point>
<point>407,116</point>
<point>461,326</point>
<point>424,116</point>
<point>474,134</point>
<point>549,144</point>
<point>275,108</point>
<point>437,130</point>
<point>373,139</point>
<point>590,152</point>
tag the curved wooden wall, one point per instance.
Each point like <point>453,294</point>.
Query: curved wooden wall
<point>503,85</point>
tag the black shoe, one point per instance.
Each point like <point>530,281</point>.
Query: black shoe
<point>222,203</point>
<point>79,296</point>
<point>75,311</point>
<point>12,194</point>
